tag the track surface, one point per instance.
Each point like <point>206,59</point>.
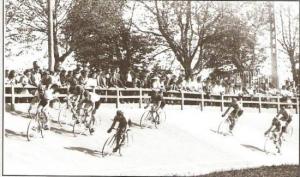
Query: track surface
<point>187,144</point>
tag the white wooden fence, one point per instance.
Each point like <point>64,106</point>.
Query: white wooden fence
<point>174,97</point>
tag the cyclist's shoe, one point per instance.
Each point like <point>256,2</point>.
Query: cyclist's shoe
<point>115,149</point>
<point>46,127</point>
<point>91,130</point>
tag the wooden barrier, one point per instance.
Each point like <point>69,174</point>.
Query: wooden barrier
<point>140,97</point>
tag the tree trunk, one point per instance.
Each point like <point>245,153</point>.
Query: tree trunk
<point>188,71</point>
<point>293,67</point>
<point>51,59</point>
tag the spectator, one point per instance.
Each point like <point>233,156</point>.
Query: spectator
<point>63,77</point>
<point>136,82</point>
<point>83,78</point>
<point>92,81</point>
<point>155,83</point>
<point>26,78</point>
<point>12,77</point>
<point>129,79</point>
<point>36,77</point>
<point>101,80</point>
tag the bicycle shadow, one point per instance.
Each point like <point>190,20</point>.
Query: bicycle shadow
<point>17,112</point>
<point>253,148</point>
<point>61,130</point>
<point>91,152</point>
<point>220,133</point>
<point>11,133</point>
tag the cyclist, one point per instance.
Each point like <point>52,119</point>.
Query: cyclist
<point>285,117</point>
<point>276,129</point>
<point>46,99</point>
<point>121,128</point>
<point>85,100</point>
<point>157,100</point>
<point>235,114</point>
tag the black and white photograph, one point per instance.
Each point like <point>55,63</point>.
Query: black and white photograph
<point>150,88</point>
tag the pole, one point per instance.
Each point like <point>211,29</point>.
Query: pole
<point>51,60</point>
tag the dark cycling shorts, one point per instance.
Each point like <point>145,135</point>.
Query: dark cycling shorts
<point>233,113</point>
<point>43,102</point>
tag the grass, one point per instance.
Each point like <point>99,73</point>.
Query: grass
<point>265,171</point>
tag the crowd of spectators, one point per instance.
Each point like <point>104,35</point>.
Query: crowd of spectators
<point>112,78</point>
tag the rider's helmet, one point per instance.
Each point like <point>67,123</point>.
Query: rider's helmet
<point>234,100</point>
<point>119,113</point>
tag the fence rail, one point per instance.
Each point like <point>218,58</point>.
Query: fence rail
<point>173,97</point>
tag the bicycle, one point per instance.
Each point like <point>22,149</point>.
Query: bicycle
<point>111,143</point>
<point>272,143</point>
<point>36,125</point>
<point>83,121</point>
<point>66,110</point>
<point>223,127</point>
<point>150,117</point>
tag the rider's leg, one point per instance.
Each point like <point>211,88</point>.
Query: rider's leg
<point>118,138</point>
<point>44,108</point>
<point>232,122</point>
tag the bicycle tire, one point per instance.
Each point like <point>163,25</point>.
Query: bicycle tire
<point>269,145</point>
<point>81,127</point>
<point>145,120</point>
<point>223,127</point>
<point>64,115</point>
<point>108,145</point>
<point>34,124</point>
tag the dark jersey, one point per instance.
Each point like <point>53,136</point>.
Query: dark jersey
<point>122,122</point>
<point>156,98</point>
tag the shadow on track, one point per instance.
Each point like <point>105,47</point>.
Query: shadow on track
<point>85,150</point>
<point>61,131</point>
<point>10,133</point>
<point>253,148</point>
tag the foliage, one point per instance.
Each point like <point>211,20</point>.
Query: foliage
<point>100,35</point>
<point>27,23</point>
<point>204,34</point>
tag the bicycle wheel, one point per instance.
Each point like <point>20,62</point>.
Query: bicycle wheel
<point>288,133</point>
<point>108,146</point>
<point>79,128</point>
<point>65,115</point>
<point>223,127</point>
<point>146,119</point>
<point>160,118</point>
<point>34,129</point>
<point>81,124</point>
<point>270,145</point>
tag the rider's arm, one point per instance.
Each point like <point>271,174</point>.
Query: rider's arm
<point>226,111</point>
<point>113,124</point>
<point>158,105</point>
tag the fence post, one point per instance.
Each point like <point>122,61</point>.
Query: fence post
<point>202,101</point>
<point>141,98</point>
<point>182,99</point>
<point>105,96</point>
<point>118,98</point>
<point>12,97</point>
<point>278,103</point>
<point>297,106</point>
<point>222,102</point>
<point>259,107</point>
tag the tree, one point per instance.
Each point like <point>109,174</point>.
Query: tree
<point>289,39</point>
<point>100,35</point>
<point>203,34</point>
<point>185,29</point>
<point>27,23</point>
